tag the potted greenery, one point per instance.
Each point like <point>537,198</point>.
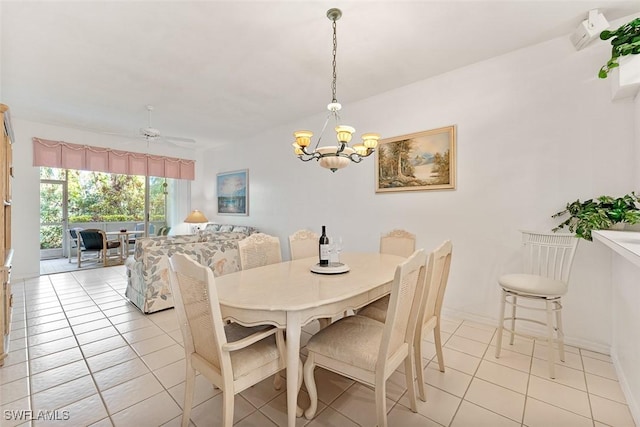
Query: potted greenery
<point>599,214</point>
<point>624,41</point>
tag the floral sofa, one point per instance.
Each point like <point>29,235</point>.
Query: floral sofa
<point>148,286</point>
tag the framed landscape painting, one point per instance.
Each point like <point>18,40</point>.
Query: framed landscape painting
<point>233,191</point>
<point>418,161</point>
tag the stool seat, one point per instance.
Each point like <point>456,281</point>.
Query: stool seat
<point>533,285</point>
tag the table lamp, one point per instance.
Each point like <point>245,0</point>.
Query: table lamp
<point>195,217</point>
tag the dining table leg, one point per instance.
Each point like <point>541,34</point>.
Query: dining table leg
<point>294,328</point>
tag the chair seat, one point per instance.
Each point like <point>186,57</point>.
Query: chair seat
<point>377,310</point>
<point>354,340</point>
<point>534,285</point>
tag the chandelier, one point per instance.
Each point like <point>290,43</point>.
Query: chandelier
<point>337,156</point>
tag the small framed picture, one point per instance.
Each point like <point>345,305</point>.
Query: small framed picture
<point>418,161</point>
<point>232,189</point>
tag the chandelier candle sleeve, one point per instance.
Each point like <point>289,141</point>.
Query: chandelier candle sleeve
<point>323,248</point>
<point>340,155</point>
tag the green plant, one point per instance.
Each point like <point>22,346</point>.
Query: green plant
<point>625,41</point>
<point>599,214</point>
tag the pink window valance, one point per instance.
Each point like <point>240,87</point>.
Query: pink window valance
<point>59,154</point>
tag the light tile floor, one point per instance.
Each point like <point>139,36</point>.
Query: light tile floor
<point>81,354</point>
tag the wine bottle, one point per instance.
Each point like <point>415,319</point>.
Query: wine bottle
<point>323,248</point>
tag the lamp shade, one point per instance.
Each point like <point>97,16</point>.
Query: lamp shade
<point>196,217</point>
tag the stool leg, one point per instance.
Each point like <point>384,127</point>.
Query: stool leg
<point>503,298</point>
<point>550,356</point>
<point>513,318</point>
<point>559,330</point>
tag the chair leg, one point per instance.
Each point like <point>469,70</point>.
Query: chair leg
<point>188,395</point>
<point>381,403</point>
<point>227,407</point>
<point>559,330</point>
<point>310,382</point>
<point>552,371</point>
<point>417,361</point>
<point>513,319</point>
<point>438,340</point>
<point>277,381</point>
<point>411,385</point>
<point>503,300</point>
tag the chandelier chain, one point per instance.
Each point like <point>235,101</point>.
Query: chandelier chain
<point>334,52</point>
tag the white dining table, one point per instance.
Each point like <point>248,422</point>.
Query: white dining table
<point>288,295</point>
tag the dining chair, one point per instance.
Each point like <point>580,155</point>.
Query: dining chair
<point>230,356</point>
<point>94,240</point>
<point>548,258</point>
<point>258,250</point>
<point>72,235</point>
<point>303,244</point>
<point>369,351</point>
<point>398,242</point>
<point>436,278</point>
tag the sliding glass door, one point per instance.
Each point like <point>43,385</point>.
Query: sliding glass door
<point>73,198</point>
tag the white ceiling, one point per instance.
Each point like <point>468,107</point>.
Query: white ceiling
<point>218,71</point>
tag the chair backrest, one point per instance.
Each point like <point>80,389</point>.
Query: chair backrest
<point>436,278</point>
<point>92,239</point>
<point>258,250</point>
<point>198,310</point>
<point>303,244</point>
<point>549,254</point>
<point>140,226</point>
<point>398,242</point>
<point>400,324</point>
<point>73,234</point>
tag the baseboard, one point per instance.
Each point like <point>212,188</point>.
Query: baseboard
<point>572,341</point>
<point>626,390</point>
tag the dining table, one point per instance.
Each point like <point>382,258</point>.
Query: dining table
<point>289,295</point>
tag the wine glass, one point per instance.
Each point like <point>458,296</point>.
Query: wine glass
<point>336,245</point>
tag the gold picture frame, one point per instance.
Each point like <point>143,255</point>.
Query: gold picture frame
<point>427,161</point>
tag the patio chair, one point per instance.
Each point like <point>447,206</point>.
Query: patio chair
<point>93,240</point>
<point>72,236</point>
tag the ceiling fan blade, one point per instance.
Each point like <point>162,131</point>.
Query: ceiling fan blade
<point>179,139</point>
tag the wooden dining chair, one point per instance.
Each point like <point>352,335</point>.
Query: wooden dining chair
<point>369,351</point>
<point>398,242</point>
<point>303,244</point>
<point>436,278</point>
<point>230,356</point>
<point>258,250</point>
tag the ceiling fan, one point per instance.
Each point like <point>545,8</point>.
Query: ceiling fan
<point>150,133</point>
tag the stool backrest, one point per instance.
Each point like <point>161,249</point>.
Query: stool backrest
<point>549,254</point>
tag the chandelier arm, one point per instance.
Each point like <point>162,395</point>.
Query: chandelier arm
<point>326,122</point>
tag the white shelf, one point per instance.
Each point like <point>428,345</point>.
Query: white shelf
<point>625,243</point>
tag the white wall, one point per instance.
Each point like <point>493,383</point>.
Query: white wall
<point>25,214</point>
<point>536,129</point>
